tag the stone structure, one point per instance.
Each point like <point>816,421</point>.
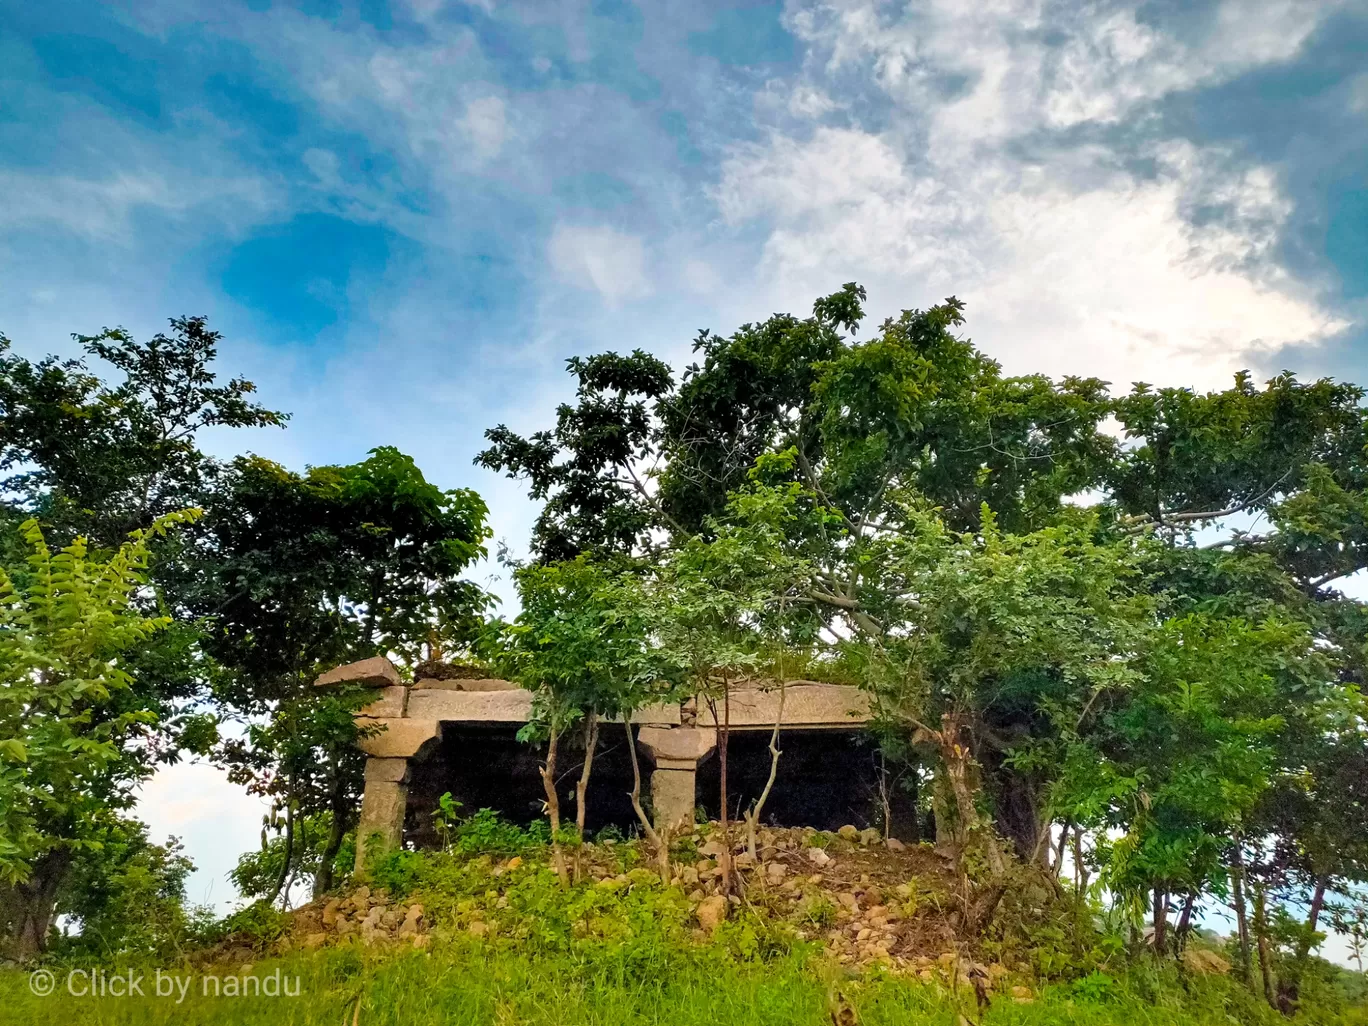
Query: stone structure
<point>406,723</point>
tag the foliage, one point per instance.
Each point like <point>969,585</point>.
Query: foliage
<point>70,749</point>
<point>100,460</point>
<point>297,573</point>
<point>126,897</point>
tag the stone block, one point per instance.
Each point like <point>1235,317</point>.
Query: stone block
<point>488,684</point>
<point>383,770</point>
<point>400,739</point>
<point>377,672</point>
<point>381,826</point>
<point>470,706</point>
<point>661,713</point>
<point>677,744</point>
<point>392,703</point>
<point>807,704</point>
<point>673,797</point>
<point>432,683</point>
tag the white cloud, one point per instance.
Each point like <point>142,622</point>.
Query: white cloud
<point>608,261</point>
<point>100,208</point>
<point>485,123</point>
<point>1071,261</point>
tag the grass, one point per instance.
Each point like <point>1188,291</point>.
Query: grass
<point>475,983</point>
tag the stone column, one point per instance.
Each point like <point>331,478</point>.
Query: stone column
<point>676,753</point>
<point>381,827</point>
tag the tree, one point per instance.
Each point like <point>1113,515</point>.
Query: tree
<point>723,608</point>
<point>586,469</point>
<point>297,573</point>
<point>125,895</point>
<point>578,645</point>
<point>99,460</point>
<point>72,747</point>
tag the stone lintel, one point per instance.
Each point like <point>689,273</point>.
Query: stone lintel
<point>376,672</point>
<point>471,706</point>
<point>807,704</point>
<point>400,739</point>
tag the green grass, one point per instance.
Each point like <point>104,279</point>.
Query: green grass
<point>472,984</point>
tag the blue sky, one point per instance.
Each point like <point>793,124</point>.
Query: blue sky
<point>404,215</point>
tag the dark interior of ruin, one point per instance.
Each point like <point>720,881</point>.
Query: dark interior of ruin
<point>826,778</point>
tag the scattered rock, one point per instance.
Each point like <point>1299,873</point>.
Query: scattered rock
<point>515,862</point>
<point>869,836</point>
<point>330,911</point>
<point>711,912</point>
<point>818,857</point>
<point>1205,961</point>
<point>776,871</point>
<point>688,876</point>
<point>478,929</point>
<point>849,832</point>
<point>713,849</point>
<point>315,940</point>
<point>893,844</point>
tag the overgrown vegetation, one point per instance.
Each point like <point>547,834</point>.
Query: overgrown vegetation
<point>1111,668</point>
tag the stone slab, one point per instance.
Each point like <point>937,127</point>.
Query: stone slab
<point>392,703</point>
<point>666,713</point>
<point>377,672</point>
<point>401,739</point>
<point>677,744</point>
<point>807,704</point>
<point>488,684</point>
<point>471,706</point>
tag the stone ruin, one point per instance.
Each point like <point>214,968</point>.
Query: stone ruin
<point>458,734</point>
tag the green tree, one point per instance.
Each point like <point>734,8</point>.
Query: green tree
<point>100,460</point>
<point>73,748</point>
<point>578,645</point>
<point>724,607</point>
<point>297,573</point>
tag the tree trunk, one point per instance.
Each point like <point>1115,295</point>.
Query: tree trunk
<point>1261,940</point>
<point>1313,917</point>
<point>1184,924</point>
<point>1237,877</point>
<point>956,758</point>
<point>753,815</point>
<point>337,830</point>
<point>26,909</point>
<point>658,842</point>
<point>289,854</point>
<point>1160,922</point>
<point>591,733</point>
<point>722,738</point>
<point>1292,986</point>
<point>548,775</point>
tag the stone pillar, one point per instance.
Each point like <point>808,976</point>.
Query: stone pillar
<point>676,753</point>
<point>383,804</point>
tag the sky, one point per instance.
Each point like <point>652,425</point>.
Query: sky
<point>405,214</point>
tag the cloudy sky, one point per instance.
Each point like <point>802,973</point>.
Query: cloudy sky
<point>404,217</point>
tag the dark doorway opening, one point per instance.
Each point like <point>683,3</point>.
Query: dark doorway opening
<point>488,767</point>
<point>826,779</point>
